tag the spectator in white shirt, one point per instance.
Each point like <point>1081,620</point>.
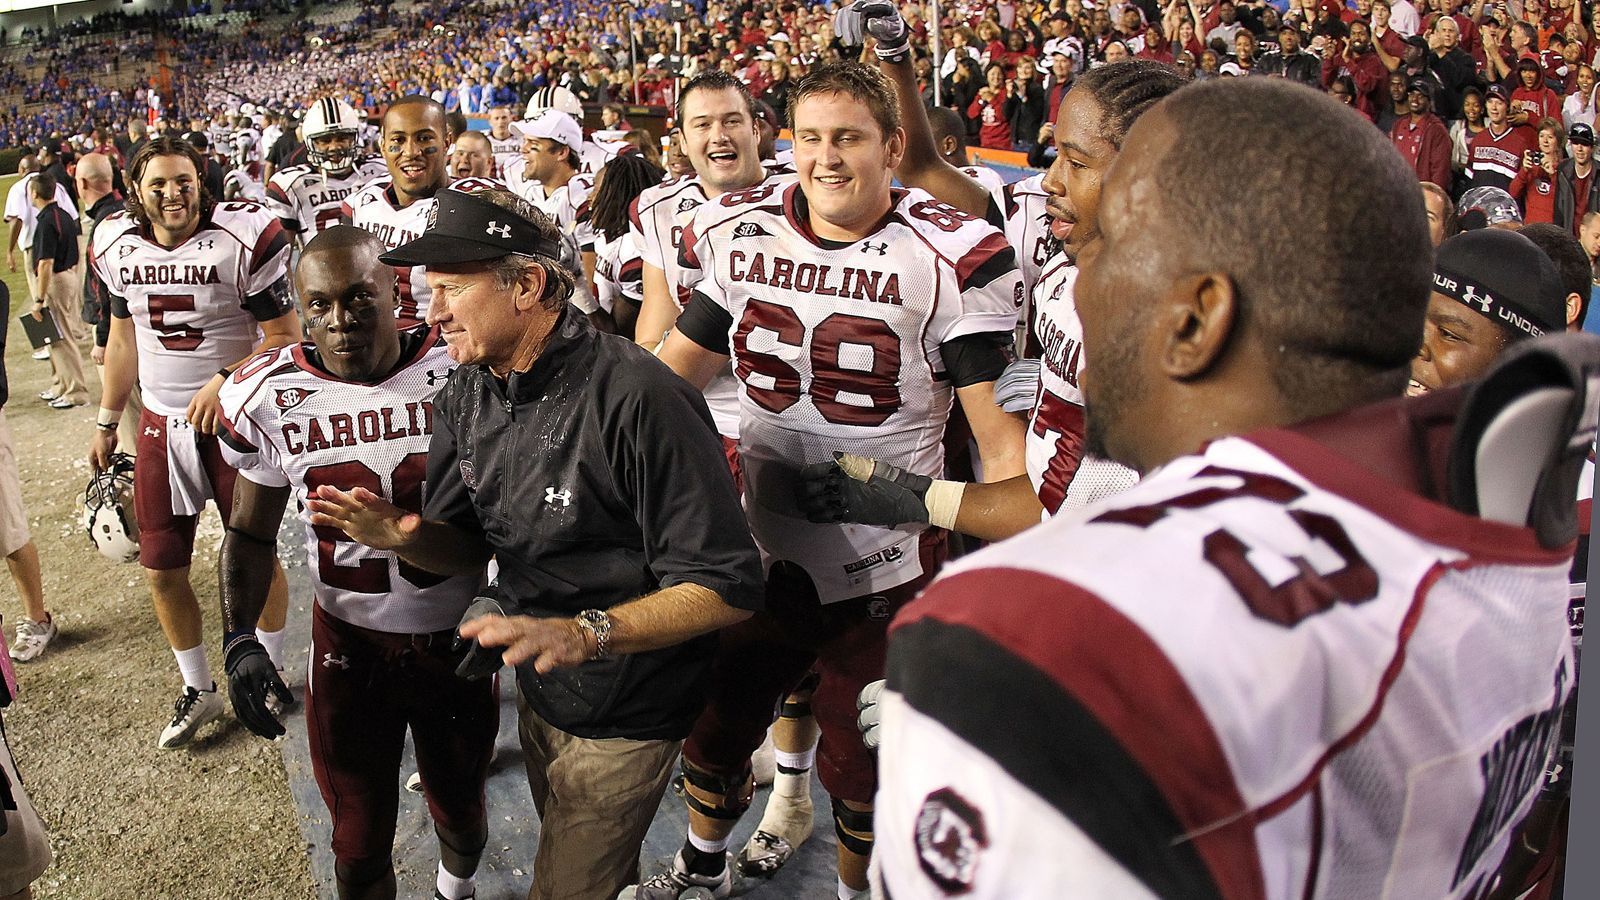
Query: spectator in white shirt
<point>1403,18</point>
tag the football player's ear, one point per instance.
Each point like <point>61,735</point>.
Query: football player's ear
<point>1197,319</point>
<point>896,148</point>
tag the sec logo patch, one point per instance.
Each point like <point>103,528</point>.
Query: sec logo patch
<point>950,836</point>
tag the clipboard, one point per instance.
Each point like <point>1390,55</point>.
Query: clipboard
<point>41,332</point>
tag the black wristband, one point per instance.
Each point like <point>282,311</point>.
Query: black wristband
<point>225,372</point>
<point>236,640</point>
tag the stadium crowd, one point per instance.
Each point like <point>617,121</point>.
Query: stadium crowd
<point>769,442</point>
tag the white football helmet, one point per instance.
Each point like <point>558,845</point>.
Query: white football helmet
<point>108,511</point>
<point>555,97</point>
<point>331,118</point>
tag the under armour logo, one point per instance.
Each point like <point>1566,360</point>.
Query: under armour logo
<point>206,244</point>
<point>551,495</point>
<point>152,432</point>
<point>1470,295</point>
<point>501,231</point>
<point>329,661</point>
<point>870,247</point>
<point>435,376</point>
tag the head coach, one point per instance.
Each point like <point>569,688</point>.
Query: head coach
<point>595,479</point>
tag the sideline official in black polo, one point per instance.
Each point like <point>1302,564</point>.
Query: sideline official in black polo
<point>594,477</point>
<point>60,282</point>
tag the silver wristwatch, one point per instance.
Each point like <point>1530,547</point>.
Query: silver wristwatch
<point>597,622</point>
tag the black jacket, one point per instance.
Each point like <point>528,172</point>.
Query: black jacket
<point>1299,66</point>
<point>1026,111</point>
<point>96,311</point>
<point>5,323</point>
<point>596,477</point>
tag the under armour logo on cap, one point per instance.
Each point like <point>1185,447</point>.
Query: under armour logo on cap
<point>1483,302</point>
<point>465,227</point>
<point>498,230</point>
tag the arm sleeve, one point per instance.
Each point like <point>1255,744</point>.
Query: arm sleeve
<point>707,323</point>
<point>652,249</point>
<point>975,358</point>
<point>683,496</point>
<point>45,239</point>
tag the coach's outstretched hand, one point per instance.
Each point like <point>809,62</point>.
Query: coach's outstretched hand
<point>251,678</point>
<point>865,491</point>
<point>364,516</point>
<point>550,642</point>
<point>879,18</point>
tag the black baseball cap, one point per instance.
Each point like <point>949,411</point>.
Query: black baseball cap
<point>463,228</point>
<point>1499,92</point>
<point>1421,86</point>
<point>1581,134</point>
<point>1504,277</point>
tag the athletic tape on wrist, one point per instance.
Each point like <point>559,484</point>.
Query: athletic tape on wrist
<point>943,501</point>
<point>108,417</point>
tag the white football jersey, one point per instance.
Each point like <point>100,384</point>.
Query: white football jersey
<point>375,208</point>
<point>657,219</point>
<point>618,271</point>
<point>838,347</point>
<point>567,206</point>
<point>1062,474</point>
<point>309,201</point>
<point>189,303</point>
<point>988,178</point>
<point>289,423</point>
<point>505,150</point>
<point>1262,672</point>
<point>1028,230</point>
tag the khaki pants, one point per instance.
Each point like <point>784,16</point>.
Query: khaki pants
<point>13,518</point>
<point>596,799</point>
<point>66,355</point>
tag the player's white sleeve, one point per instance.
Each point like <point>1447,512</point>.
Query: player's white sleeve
<point>17,200</point>
<point>653,248</point>
<point>245,444</point>
<point>695,271</point>
<point>950,821</point>
<point>268,261</point>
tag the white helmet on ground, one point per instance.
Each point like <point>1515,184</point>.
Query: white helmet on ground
<point>331,118</point>
<point>108,514</point>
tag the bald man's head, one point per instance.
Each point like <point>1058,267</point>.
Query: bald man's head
<point>94,169</point>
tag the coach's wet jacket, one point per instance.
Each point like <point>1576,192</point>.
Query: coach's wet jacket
<point>596,477</point>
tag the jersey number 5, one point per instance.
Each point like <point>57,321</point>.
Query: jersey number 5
<point>851,355</point>
<point>1315,589</point>
<point>174,337</point>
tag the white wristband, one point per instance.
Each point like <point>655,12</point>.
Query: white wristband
<point>108,417</point>
<point>943,501</point>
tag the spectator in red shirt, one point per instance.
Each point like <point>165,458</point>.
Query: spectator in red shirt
<point>989,111</point>
<point>1422,138</point>
<point>1532,102</point>
<point>1536,186</point>
<point>1368,72</point>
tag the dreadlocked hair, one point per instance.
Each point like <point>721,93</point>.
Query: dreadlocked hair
<point>1125,90</point>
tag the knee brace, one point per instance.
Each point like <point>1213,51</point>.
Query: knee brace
<point>463,843</point>
<point>733,793</point>
<point>853,828</point>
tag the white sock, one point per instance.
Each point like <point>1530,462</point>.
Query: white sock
<point>449,885</point>
<point>796,781</point>
<point>273,641</point>
<point>709,845</point>
<point>846,892</point>
<point>194,668</point>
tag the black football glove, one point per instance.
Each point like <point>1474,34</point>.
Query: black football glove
<point>865,491</point>
<point>251,678</point>
<point>879,18</point>
<point>477,661</point>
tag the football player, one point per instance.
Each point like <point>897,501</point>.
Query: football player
<point>310,198</point>
<point>353,408</point>
<point>195,287</point>
<point>1242,676</point>
<point>854,314</point>
<point>1094,116</point>
<point>504,144</point>
<point>551,141</point>
<point>395,207</point>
